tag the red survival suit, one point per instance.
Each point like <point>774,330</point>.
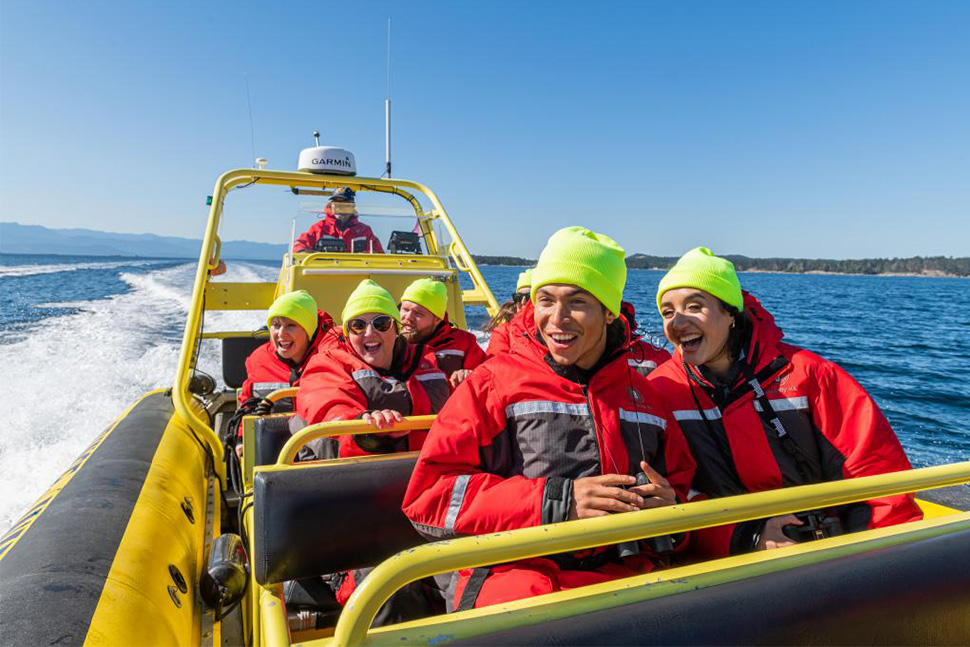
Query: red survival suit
<point>338,385</point>
<point>504,451</point>
<point>266,371</point>
<point>837,431</point>
<point>353,233</point>
<point>454,348</point>
<point>644,356</point>
<point>499,339</point>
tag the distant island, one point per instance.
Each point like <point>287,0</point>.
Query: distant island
<point>917,265</point>
<point>34,239</point>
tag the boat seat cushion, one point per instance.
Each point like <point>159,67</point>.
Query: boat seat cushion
<point>270,433</point>
<point>235,350</point>
<point>330,516</point>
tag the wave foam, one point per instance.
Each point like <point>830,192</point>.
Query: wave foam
<point>72,376</point>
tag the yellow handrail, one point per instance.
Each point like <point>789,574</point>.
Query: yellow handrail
<point>275,628</point>
<point>280,394</point>
<point>345,428</point>
<point>470,552</point>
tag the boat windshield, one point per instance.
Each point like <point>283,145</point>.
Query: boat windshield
<point>267,214</point>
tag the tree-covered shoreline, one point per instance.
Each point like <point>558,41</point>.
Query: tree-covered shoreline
<point>914,266</point>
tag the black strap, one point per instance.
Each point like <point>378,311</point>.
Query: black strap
<point>720,440</point>
<point>772,421</point>
<point>472,588</point>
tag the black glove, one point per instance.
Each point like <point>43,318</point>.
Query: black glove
<point>263,407</point>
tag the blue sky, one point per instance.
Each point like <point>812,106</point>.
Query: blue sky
<point>825,129</point>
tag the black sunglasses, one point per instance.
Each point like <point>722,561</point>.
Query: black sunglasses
<point>382,323</point>
<point>518,298</point>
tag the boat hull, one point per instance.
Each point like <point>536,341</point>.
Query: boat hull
<point>95,560</point>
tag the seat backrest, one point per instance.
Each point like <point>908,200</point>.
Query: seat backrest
<point>270,433</point>
<point>235,350</point>
<point>330,516</point>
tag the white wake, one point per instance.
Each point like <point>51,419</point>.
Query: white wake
<point>71,376</point>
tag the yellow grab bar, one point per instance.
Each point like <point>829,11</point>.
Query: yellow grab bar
<point>345,428</point>
<point>275,628</point>
<point>280,394</point>
<point>495,548</point>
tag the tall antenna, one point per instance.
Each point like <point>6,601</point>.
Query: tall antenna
<point>387,108</point>
<point>252,130</point>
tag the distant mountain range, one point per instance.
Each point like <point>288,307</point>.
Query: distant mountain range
<point>34,239</point>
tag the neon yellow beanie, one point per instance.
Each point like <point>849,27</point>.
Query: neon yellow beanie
<point>429,293</point>
<point>525,280</point>
<point>369,297</point>
<point>299,306</point>
<point>580,257</point>
<point>700,268</point>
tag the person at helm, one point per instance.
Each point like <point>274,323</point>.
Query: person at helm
<point>424,320</point>
<point>760,414</point>
<point>507,320</point>
<point>552,431</point>
<point>340,221</point>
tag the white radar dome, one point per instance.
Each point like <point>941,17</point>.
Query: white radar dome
<point>327,159</point>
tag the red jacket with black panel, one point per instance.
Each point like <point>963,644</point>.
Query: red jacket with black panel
<point>454,348</point>
<point>266,371</point>
<point>505,449</point>
<point>834,431</point>
<point>357,237</point>
<point>338,385</point>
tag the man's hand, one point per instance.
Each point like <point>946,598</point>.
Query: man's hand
<point>385,419</point>
<point>458,377</point>
<point>773,536</point>
<point>658,493</point>
<point>598,496</point>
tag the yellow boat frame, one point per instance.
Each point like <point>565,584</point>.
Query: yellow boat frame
<point>258,296</point>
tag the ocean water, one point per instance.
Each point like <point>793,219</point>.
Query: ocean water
<point>83,337</point>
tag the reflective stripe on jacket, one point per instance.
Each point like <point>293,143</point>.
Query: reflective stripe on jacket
<point>838,432</point>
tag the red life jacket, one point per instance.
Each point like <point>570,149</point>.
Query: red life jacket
<point>834,428</point>
<point>644,356</point>
<point>504,450</point>
<point>454,348</point>
<point>500,338</point>
<point>266,371</point>
<point>338,385</point>
<point>354,233</point>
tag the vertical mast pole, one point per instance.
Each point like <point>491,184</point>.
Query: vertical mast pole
<point>387,107</point>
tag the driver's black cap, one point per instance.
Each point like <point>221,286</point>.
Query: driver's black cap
<point>343,194</point>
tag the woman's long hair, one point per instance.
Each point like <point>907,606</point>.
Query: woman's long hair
<point>504,315</point>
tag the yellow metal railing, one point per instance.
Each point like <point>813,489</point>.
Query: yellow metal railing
<point>280,394</point>
<point>183,400</point>
<point>345,428</point>
<point>470,552</point>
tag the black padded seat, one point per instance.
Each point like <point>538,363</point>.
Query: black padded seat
<point>330,516</point>
<point>909,594</point>
<point>270,433</point>
<point>235,350</point>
